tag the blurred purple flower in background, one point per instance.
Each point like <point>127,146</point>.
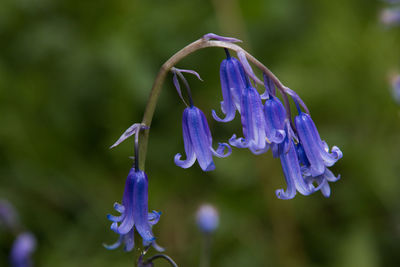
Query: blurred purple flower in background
<point>390,16</point>
<point>207,218</point>
<point>22,249</point>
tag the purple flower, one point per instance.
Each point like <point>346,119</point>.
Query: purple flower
<point>22,249</point>
<point>207,218</point>
<point>390,16</point>
<point>233,82</point>
<point>253,122</point>
<point>134,213</point>
<point>321,180</point>
<point>292,170</point>
<point>198,141</point>
<point>316,150</point>
<point>275,116</point>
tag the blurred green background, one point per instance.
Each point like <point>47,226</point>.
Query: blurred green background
<point>75,74</point>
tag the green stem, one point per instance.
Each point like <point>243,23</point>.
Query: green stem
<point>166,67</point>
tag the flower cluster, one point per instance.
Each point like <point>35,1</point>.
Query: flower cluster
<point>267,124</point>
<point>305,158</point>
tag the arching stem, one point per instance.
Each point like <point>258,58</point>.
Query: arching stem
<point>172,61</point>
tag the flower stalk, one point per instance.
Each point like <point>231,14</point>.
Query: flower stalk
<point>201,43</point>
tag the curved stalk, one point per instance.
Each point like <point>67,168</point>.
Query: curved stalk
<point>171,62</point>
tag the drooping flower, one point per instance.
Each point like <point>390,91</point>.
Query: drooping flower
<point>207,218</point>
<point>22,249</point>
<point>253,122</point>
<point>292,170</point>
<point>275,117</point>
<point>198,141</point>
<point>316,150</point>
<point>134,213</point>
<point>233,82</point>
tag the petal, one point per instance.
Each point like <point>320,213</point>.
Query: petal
<point>190,155</point>
<point>115,218</point>
<point>275,115</point>
<point>227,105</point>
<point>293,175</point>
<point>118,207</point>
<point>253,120</point>
<point>127,201</point>
<point>153,217</point>
<point>330,177</point>
<point>238,142</point>
<point>201,138</point>
<point>311,144</point>
<point>129,241</point>
<point>115,245</point>
<point>140,207</point>
<point>237,81</point>
<point>220,150</point>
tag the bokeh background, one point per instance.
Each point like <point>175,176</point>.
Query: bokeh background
<point>75,74</point>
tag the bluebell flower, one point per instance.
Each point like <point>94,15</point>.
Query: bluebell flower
<point>233,82</point>
<point>253,123</point>
<point>252,115</point>
<point>316,150</point>
<point>292,170</point>
<point>207,218</point>
<point>275,117</point>
<point>134,213</point>
<point>22,249</point>
<point>198,141</point>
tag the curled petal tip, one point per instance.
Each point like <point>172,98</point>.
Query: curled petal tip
<point>210,36</point>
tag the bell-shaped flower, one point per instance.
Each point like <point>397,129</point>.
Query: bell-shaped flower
<point>316,150</point>
<point>134,213</point>
<point>198,141</point>
<point>292,171</point>
<point>275,115</point>
<point>253,122</point>
<point>233,82</point>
